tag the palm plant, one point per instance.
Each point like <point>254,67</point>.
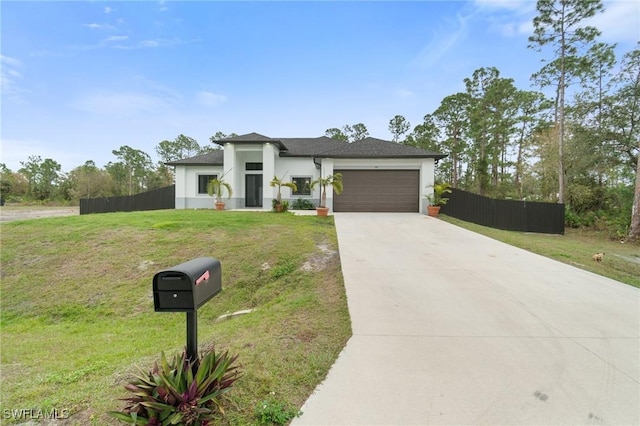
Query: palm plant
<point>334,180</point>
<point>216,187</point>
<point>276,181</point>
<point>438,198</point>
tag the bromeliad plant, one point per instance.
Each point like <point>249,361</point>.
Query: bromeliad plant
<point>181,392</point>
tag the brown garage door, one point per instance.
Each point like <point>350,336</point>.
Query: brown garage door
<point>378,191</point>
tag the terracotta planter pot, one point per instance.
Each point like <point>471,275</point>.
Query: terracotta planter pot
<point>220,205</point>
<point>433,210</point>
<point>322,211</point>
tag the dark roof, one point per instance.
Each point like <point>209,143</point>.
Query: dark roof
<point>365,148</point>
<point>309,147</point>
<point>250,138</point>
<point>213,158</point>
<point>322,147</point>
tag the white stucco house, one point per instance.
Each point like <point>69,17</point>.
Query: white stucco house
<point>378,175</point>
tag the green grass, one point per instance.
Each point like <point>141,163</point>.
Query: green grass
<point>576,247</point>
<point>77,308</point>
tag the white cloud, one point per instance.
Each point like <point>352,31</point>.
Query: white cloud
<point>509,18</point>
<point>162,6</point>
<point>94,26</point>
<point>403,93</point>
<point>108,10</point>
<point>442,41</point>
<point>149,43</point>
<point>7,60</point>
<point>9,75</point>
<point>116,38</point>
<point>619,22</point>
<point>210,99</point>
<point>121,103</point>
<point>519,7</point>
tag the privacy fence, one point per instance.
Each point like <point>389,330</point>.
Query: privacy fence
<point>511,215</point>
<point>158,199</point>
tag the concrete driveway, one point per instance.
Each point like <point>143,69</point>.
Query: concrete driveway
<point>453,328</point>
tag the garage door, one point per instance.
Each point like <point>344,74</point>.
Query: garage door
<point>379,191</point>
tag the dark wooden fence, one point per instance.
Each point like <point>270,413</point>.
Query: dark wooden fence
<point>511,215</point>
<point>158,199</point>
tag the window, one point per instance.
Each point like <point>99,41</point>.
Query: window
<point>303,184</point>
<point>253,166</point>
<point>203,181</point>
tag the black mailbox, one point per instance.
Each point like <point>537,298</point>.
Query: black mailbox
<point>186,287</point>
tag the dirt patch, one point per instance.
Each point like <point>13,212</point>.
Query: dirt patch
<point>319,261</point>
<point>9,213</point>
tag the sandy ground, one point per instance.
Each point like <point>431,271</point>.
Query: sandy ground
<point>10,213</point>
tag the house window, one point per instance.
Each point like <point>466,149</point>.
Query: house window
<point>253,166</point>
<point>203,181</point>
<point>303,184</point>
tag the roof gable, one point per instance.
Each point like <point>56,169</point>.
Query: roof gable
<point>213,158</point>
<point>249,137</point>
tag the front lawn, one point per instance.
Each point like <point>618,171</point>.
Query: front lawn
<point>77,307</point>
<point>576,247</point>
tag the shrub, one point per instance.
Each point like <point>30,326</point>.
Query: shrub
<point>302,204</point>
<point>284,206</point>
<point>274,412</point>
<point>181,391</point>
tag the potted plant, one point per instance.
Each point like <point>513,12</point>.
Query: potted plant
<point>334,180</point>
<point>276,181</point>
<point>216,187</point>
<point>437,198</point>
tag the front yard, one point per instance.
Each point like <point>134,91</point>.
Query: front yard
<point>77,308</point>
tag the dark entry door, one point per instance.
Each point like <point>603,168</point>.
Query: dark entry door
<point>253,186</point>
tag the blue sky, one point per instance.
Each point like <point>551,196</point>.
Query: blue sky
<point>80,79</point>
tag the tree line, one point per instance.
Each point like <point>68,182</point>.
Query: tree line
<point>580,146</point>
<point>132,172</point>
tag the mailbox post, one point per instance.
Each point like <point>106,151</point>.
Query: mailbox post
<point>186,287</point>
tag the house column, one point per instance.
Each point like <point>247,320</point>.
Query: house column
<point>230,173</point>
<point>427,172</point>
<point>269,152</point>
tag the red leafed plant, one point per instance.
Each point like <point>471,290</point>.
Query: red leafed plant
<point>181,392</point>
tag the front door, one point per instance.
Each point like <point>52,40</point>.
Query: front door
<point>253,186</point>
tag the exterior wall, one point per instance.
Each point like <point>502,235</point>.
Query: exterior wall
<point>289,167</point>
<point>182,182</point>
<point>187,196</point>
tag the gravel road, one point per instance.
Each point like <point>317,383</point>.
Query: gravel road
<point>9,213</point>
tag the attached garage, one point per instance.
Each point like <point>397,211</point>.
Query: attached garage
<point>379,191</point>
